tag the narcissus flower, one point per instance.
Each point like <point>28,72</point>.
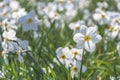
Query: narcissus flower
<point>76,68</point>
<point>87,39</point>
<point>76,26</point>
<point>29,22</point>
<point>9,35</point>
<point>77,53</point>
<point>63,54</point>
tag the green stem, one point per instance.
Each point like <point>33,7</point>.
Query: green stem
<point>81,65</point>
<point>115,71</point>
<point>114,66</point>
<point>69,74</point>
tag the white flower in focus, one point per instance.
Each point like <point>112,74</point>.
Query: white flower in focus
<point>87,39</point>
<point>28,21</point>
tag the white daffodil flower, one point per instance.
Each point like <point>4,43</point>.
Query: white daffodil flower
<point>40,8</point>
<point>87,39</point>
<point>9,35</point>
<point>113,31</point>
<point>19,13</point>
<point>102,5</point>
<point>77,53</point>
<point>63,54</point>
<point>77,26</point>
<point>76,68</point>
<point>101,17</point>
<point>28,21</point>
<point>14,5</point>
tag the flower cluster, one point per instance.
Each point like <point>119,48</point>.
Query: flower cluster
<point>60,11</point>
<point>70,58</point>
<point>11,16</point>
<point>90,31</point>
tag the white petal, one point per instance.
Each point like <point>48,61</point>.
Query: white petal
<point>96,17</point>
<point>96,38</point>
<point>24,44</point>
<point>90,46</point>
<point>6,60</point>
<point>91,31</point>
<point>83,29</point>
<point>83,69</point>
<point>59,51</point>
<point>71,26</point>
<point>32,14</point>
<point>26,27</point>
<point>10,34</point>
<point>81,44</point>
<point>22,19</point>
<point>20,58</point>
<point>79,57</point>
<point>34,26</point>
<point>78,37</point>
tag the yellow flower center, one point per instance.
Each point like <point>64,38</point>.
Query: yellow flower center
<point>103,16</point>
<point>2,53</point>
<point>3,6</point>
<point>119,30</point>
<point>29,20</point>
<point>75,53</point>
<point>117,20</point>
<point>87,38</point>
<point>61,1</point>
<point>6,39</point>
<point>77,27</point>
<point>55,15</point>
<point>63,56</point>
<point>111,28</point>
<point>17,52</point>
<point>103,8</point>
<point>5,14</point>
<point>75,69</point>
<point>71,1</point>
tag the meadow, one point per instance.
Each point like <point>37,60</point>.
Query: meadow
<point>60,40</point>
